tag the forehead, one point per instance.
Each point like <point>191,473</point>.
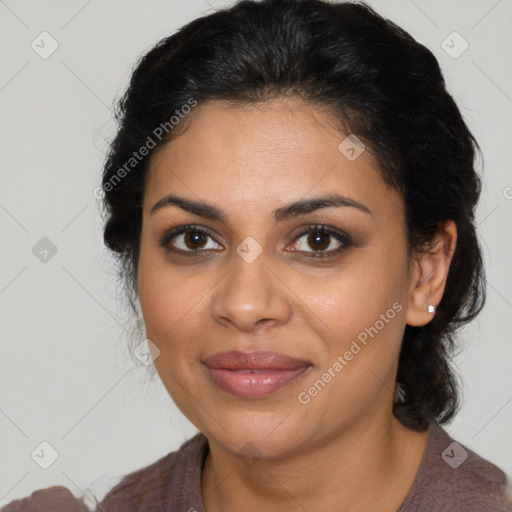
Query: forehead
<point>271,152</point>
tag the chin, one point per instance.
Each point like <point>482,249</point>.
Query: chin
<point>256,435</point>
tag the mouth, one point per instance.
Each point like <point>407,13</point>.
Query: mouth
<point>253,374</point>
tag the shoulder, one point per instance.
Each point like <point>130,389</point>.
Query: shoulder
<point>454,478</point>
<point>52,498</point>
<point>170,483</point>
<point>158,486</point>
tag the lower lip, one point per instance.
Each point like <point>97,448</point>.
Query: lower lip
<point>256,384</point>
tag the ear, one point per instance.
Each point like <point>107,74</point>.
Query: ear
<point>429,274</point>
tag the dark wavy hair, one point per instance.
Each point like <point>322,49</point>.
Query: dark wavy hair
<point>379,83</point>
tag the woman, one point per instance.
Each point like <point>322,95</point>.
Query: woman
<point>291,196</point>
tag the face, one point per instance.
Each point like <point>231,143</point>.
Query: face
<point>323,288</point>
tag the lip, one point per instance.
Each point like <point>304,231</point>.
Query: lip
<point>253,374</point>
<point>258,360</point>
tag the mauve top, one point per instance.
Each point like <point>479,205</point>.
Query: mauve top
<point>451,478</point>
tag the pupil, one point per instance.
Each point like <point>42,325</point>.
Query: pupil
<point>316,239</point>
<point>194,239</point>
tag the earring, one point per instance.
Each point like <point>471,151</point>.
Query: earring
<point>431,309</point>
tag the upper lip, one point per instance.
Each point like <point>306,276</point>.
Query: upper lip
<point>258,360</point>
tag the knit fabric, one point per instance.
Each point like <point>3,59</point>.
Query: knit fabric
<point>451,478</point>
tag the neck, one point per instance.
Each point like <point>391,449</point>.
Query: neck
<point>365,469</point>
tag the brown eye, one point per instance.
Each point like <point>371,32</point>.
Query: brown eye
<point>318,241</point>
<point>188,239</point>
<point>194,239</point>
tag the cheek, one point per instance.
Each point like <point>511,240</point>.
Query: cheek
<point>355,297</point>
<point>169,301</point>
<point>362,312</point>
<point>171,307</point>
<point>359,351</point>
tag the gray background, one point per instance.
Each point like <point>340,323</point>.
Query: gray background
<point>65,376</point>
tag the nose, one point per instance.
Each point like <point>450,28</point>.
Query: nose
<point>251,296</point>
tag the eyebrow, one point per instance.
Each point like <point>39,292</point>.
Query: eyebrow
<point>285,212</point>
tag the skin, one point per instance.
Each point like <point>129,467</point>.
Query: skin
<point>344,446</point>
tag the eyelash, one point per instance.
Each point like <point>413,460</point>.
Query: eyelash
<point>311,229</point>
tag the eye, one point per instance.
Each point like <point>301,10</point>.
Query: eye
<point>193,240</point>
<point>324,241</point>
<point>189,239</point>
